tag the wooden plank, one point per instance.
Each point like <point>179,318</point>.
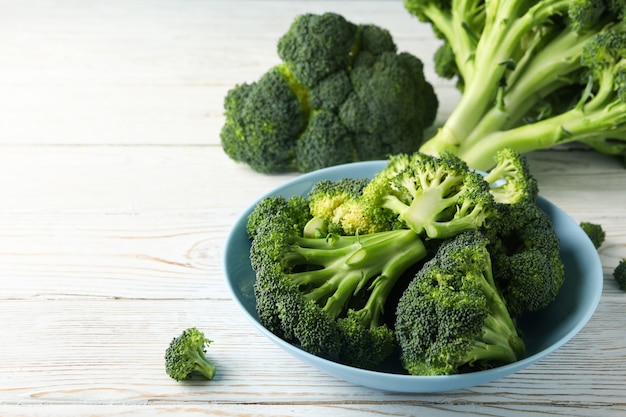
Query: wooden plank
<point>340,409</point>
<point>110,351</point>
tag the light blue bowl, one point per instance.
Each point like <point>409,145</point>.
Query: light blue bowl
<point>544,331</point>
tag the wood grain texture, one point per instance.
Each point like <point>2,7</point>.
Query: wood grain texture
<point>116,200</point>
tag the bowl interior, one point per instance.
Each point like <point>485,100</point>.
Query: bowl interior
<point>543,331</point>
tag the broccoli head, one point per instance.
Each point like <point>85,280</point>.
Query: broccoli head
<point>342,93</point>
<point>451,318</point>
<point>185,356</point>
<point>328,293</point>
<point>527,266</point>
<point>619,274</point>
<point>437,197</point>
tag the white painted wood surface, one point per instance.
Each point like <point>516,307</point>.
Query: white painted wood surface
<point>117,199</point>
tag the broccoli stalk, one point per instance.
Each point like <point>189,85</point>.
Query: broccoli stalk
<point>185,356</point>
<point>533,75</point>
<point>349,264</point>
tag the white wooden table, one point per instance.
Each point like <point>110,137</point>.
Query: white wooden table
<point>116,200</point>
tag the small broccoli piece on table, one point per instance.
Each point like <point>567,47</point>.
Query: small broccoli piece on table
<point>619,274</point>
<point>595,232</point>
<point>185,356</point>
<point>452,318</point>
<point>342,93</point>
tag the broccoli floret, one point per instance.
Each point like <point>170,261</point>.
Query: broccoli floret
<point>527,266</point>
<point>386,108</point>
<point>619,274</point>
<point>342,93</point>
<point>339,205</point>
<point>595,232</point>
<point>451,318</point>
<point>533,75</point>
<point>295,208</point>
<point>262,121</point>
<point>524,246</point>
<point>445,64</point>
<point>316,46</point>
<point>436,197</point>
<point>328,293</point>
<point>186,356</point>
<point>510,180</point>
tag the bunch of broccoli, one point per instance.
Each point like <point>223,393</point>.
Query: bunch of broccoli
<point>428,256</point>
<point>342,93</point>
<point>533,74</point>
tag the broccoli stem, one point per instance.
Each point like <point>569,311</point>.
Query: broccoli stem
<point>450,24</point>
<point>427,206</point>
<point>501,36</point>
<point>528,85</point>
<point>386,281</point>
<point>500,341</point>
<point>573,125</point>
<point>348,263</point>
<point>203,364</point>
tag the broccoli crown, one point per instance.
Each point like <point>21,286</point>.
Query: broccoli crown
<point>604,57</point>
<point>527,266</point>
<point>328,293</point>
<point>619,274</point>
<point>510,180</point>
<point>185,356</point>
<point>595,232</point>
<point>533,75</point>
<point>342,93</point>
<point>434,196</point>
<point>451,318</point>
<point>392,87</point>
